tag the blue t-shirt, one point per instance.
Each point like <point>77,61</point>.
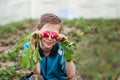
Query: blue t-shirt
<point>53,67</point>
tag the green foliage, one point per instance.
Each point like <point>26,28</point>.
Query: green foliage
<point>31,58</point>
<point>68,51</point>
<point>12,27</point>
<point>13,54</point>
<point>97,52</point>
<point>9,73</point>
<point>98,48</point>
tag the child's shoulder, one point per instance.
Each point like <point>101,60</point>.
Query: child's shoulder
<point>27,44</point>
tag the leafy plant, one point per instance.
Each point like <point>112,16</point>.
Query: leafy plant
<point>11,55</point>
<point>68,51</point>
<point>9,73</point>
<point>31,58</point>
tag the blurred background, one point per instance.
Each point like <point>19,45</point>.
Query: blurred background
<point>12,10</point>
<point>94,25</point>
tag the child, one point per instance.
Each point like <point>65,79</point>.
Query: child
<point>53,66</point>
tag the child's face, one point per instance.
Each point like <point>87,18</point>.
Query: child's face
<point>48,42</point>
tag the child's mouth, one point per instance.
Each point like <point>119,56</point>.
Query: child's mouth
<point>49,43</point>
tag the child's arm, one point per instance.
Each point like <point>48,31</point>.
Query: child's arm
<point>70,69</point>
<point>37,69</point>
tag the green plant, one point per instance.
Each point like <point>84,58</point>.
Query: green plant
<point>9,73</point>
<point>31,58</point>
<point>68,51</point>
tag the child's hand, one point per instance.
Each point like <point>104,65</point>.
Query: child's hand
<point>36,35</point>
<point>61,37</point>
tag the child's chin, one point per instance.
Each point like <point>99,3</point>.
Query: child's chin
<point>48,47</point>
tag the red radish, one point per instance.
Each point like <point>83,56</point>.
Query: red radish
<point>46,33</point>
<point>54,35</point>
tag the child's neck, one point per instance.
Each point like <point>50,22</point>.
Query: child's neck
<point>46,53</point>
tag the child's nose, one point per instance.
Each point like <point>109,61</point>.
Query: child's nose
<point>49,37</point>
